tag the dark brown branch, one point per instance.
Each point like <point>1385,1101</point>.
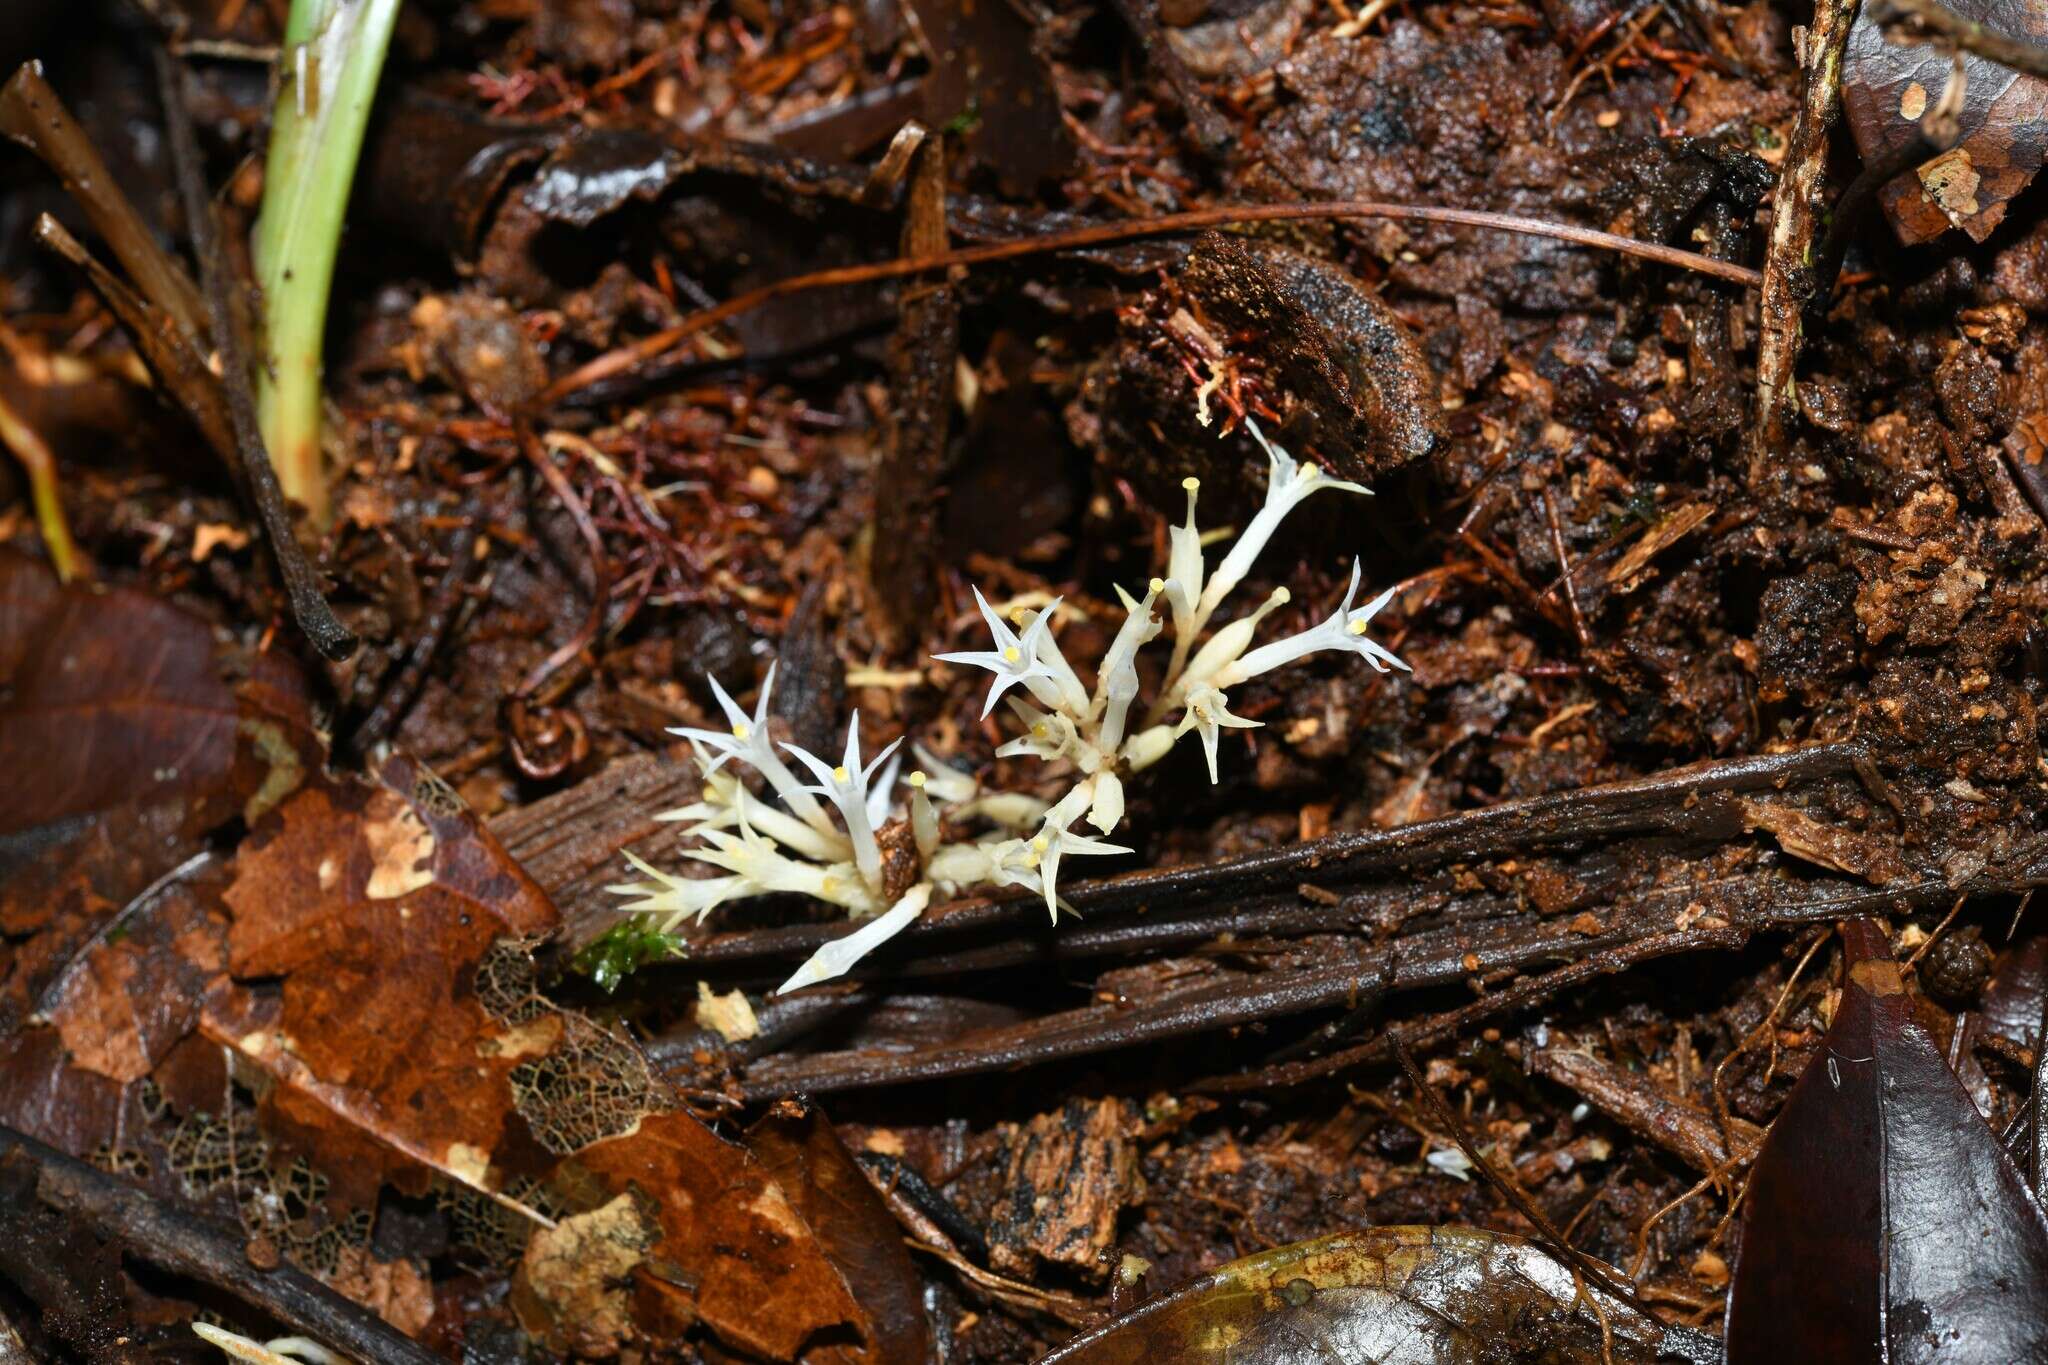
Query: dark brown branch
<point>1654,926</point>
<point>1938,22</point>
<point>170,356</point>
<point>31,114</point>
<point>449,598</point>
<point>1188,904</point>
<point>600,565</point>
<point>189,1246</point>
<point>301,582</point>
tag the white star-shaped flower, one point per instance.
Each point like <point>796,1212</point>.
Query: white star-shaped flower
<point>750,742</point>
<point>847,787</point>
<point>1344,629</point>
<point>1014,659</point>
<point>676,897</point>
<point>1208,715</point>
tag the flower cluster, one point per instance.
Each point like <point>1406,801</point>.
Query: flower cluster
<point>846,839</point>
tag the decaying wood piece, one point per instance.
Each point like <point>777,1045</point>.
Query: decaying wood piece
<point>1795,215</point>
<point>569,842</point>
<point>1657,923</point>
<point>922,358</point>
<point>1069,1173</point>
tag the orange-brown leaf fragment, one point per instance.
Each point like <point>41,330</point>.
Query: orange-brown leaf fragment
<point>732,1251</point>
<point>376,907</point>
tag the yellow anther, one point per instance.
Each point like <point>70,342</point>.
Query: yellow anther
<point>1309,471</point>
<point>1358,627</point>
<point>827,886</point>
<point>1038,730</point>
<point>1039,845</point>
<point>917,778</point>
<point>1013,655</point>
<point>742,730</point>
<point>1157,585</point>
<point>839,774</point>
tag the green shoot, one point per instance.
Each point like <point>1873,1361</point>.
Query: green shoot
<point>19,437</point>
<point>333,54</point>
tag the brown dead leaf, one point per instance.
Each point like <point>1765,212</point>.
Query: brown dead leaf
<point>128,1000</point>
<point>377,1018</point>
<point>116,699</point>
<point>839,1204</point>
<point>732,1251</point>
<point>1887,86</point>
<point>143,732</point>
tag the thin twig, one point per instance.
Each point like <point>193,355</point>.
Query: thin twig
<point>201,1250</point>
<point>301,583</point>
<point>1937,21</point>
<point>600,566</point>
<point>1599,1273</point>
<point>1522,993</point>
<point>449,598</point>
<point>171,357</point>
<point>1100,234</point>
<point>1564,565</point>
<point>32,115</point>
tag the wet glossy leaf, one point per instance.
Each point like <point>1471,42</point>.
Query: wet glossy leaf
<point>1886,87</point>
<point>1883,1222</point>
<point>1444,1295</point>
<point>144,731</point>
<point>113,698</point>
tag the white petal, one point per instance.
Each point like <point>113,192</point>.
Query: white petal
<point>838,956</point>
